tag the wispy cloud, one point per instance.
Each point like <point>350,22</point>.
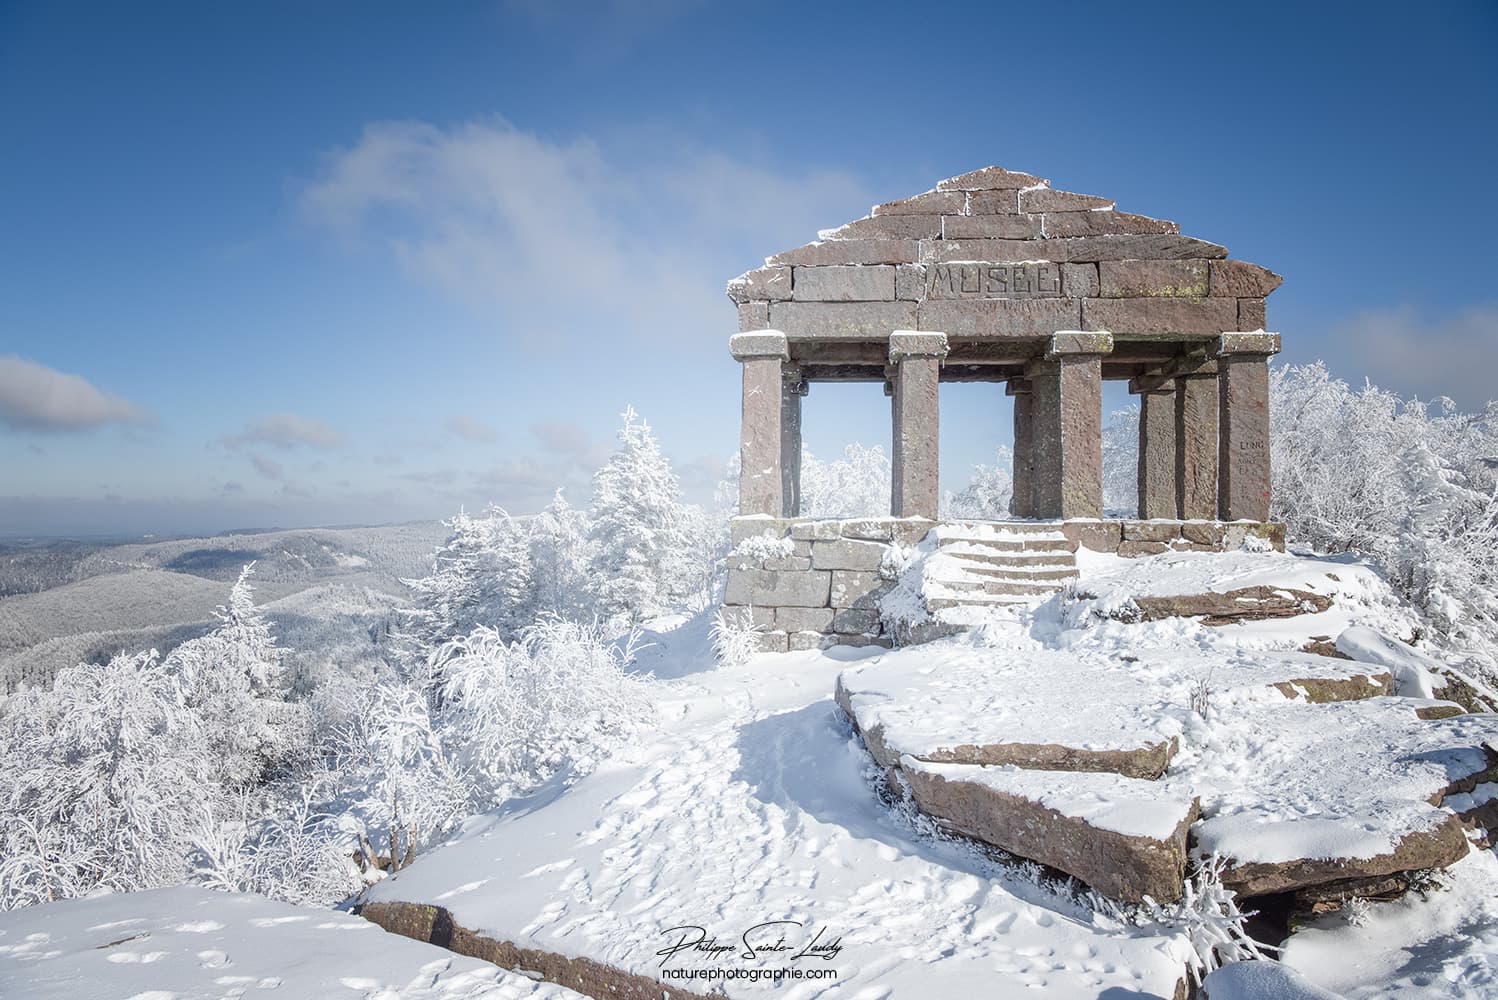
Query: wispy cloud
<point>471,429</point>
<point>1402,349</point>
<point>37,398</point>
<point>559,236</point>
<point>268,468</point>
<point>287,430</point>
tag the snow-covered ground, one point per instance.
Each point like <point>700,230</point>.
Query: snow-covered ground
<point>176,944</point>
<point>746,832</point>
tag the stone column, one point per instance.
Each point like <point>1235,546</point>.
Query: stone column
<point>1243,490</point>
<point>1196,441</point>
<point>1157,452</point>
<point>1024,446</point>
<point>792,389</point>
<point>916,358</point>
<point>760,486</point>
<point>1066,389</point>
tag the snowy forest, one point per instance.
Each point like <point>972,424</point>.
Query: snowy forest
<point>514,662</point>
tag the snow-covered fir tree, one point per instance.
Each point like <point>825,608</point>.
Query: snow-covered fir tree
<point>641,543</point>
<point>559,555</point>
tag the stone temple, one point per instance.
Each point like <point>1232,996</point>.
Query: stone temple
<point>995,276</point>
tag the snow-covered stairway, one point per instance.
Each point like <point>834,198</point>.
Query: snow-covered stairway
<point>988,563</point>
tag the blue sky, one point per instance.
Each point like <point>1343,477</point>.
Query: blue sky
<point>290,264</point>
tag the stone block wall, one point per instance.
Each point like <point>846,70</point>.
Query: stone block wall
<point>807,583</point>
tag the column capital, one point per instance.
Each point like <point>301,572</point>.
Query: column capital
<point>1249,343</point>
<point>1079,342</point>
<point>759,344</point>
<point>913,344</point>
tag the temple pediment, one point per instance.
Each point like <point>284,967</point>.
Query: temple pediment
<point>997,254</point>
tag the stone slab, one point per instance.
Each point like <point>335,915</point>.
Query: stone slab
<point>1079,342</point>
<point>1244,604</point>
<point>1438,847</point>
<point>851,252</point>
<point>1069,249</point>
<point>768,588</point>
<point>857,589</point>
<point>1099,536</point>
<point>1079,281</point>
<point>765,283</point>
<point>803,619</point>
<point>763,344</point>
<point>856,620</point>
<point>842,320</point>
<point>887,227</point>
<point>1150,316</point>
<point>1102,224</point>
<point>1154,278</point>
<point>986,280</point>
<point>1251,314</point>
<point>743,528</point>
<point>845,283</point>
<point>797,642</point>
<point>1051,200</point>
<point>1151,531</point>
<point>1002,202</point>
<point>1249,343</point>
<point>1241,280</point>
<point>1133,550</point>
<point>999,318</point>
<point>754,316</point>
<point>1008,810</point>
<point>913,344</point>
<point>991,178</point>
<point>910,280</point>
<point>984,227</point>
<point>927,203</point>
<point>815,530</point>
<point>848,554</point>
<point>787,564</point>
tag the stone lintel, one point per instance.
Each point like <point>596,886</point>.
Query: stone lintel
<point>1192,365</point>
<point>911,344</point>
<point>1079,342</point>
<point>1249,343</point>
<point>759,344</point>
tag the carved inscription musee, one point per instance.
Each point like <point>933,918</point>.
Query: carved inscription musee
<point>993,281</point>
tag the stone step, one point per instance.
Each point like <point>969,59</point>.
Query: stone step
<point>1014,574</point>
<point>988,529</point>
<point>1123,836</point>
<point>1006,545</point>
<point>974,601</point>
<point>1014,588</point>
<point>1022,558</point>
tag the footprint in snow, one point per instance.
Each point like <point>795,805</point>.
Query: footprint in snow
<point>212,959</point>
<point>199,927</point>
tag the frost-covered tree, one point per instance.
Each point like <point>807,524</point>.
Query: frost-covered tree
<point>1121,463</point>
<point>987,495</point>
<point>642,547</point>
<point>233,682</point>
<point>480,576</point>
<point>559,556</point>
<point>96,776</point>
<point>856,485</point>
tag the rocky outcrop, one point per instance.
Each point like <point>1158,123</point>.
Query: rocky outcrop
<point>1443,845</point>
<point>435,925</point>
<point>1247,604</point>
<point>1124,837</point>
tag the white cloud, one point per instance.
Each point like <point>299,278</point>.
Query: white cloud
<point>470,429</point>
<point>287,430</point>
<point>35,397</point>
<point>1400,349</point>
<point>559,236</point>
